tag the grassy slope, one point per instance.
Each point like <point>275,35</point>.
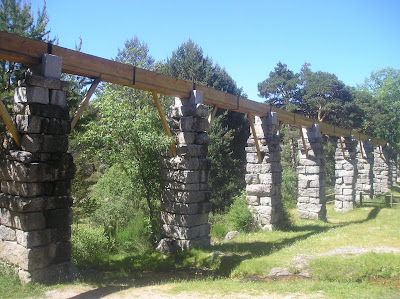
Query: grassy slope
<point>255,254</point>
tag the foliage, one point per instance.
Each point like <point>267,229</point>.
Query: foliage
<point>239,217</point>
<point>17,18</point>
<point>289,188</point>
<point>90,246</point>
<point>280,88</point>
<point>135,237</point>
<point>383,106</point>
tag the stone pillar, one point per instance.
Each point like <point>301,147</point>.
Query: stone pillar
<point>365,162</point>
<point>346,174</point>
<point>381,171</point>
<point>312,196</point>
<point>264,179</point>
<point>35,181</point>
<point>393,167</point>
<point>185,196</point>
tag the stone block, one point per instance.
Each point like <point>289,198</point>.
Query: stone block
<point>253,200</point>
<point>7,234</point>
<point>44,143</point>
<point>271,200</point>
<point>31,94</point>
<point>258,168</point>
<point>43,237</point>
<point>259,190</point>
<point>186,123</point>
<point>184,176</point>
<point>52,274</point>
<point>186,208</point>
<point>192,150</point>
<point>49,111</point>
<point>23,221</point>
<point>184,220</point>
<point>251,179</point>
<point>185,137</point>
<point>185,233</point>
<point>58,97</point>
<point>185,196</point>
<point>51,66</point>
<point>37,124</point>
<point>50,83</point>
<point>184,187</point>
<point>58,217</point>
<point>202,139</point>
<point>23,189</point>
<point>200,125</point>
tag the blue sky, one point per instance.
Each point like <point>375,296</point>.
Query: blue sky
<point>347,38</point>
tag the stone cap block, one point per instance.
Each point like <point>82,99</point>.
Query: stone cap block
<point>51,66</point>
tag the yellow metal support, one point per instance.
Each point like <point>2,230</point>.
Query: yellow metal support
<point>84,102</point>
<point>211,117</point>
<point>303,141</point>
<point>253,130</point>
<point>164,121</point>
<point>10,124</point>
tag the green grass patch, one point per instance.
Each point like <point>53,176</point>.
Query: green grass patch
<point>11,287</point>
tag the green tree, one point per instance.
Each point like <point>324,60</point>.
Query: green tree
<point>384,107</point>
<point>281,89</point>
<point>325,98</point>
<point>128,135</point>
<point>17,18</point>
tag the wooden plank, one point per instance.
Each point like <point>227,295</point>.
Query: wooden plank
<point>303,140</point>
<point>253,131</point>
<point>10,124</point>
<point>164,121</point>
<point>28,51</point>
<point>84,102</point>
<point>211,117</point>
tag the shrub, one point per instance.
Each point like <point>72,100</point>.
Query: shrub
<point>90,246</point>
<point>135,237</point>
<point>239,216</point>
<point>289,188</point>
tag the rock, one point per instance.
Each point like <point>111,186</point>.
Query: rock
<point>230,235</point>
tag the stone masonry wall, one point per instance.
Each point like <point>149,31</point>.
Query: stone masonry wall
<point>35,181</point>
<point>312,196</point>
<point>185,196</point>
<point>346,175</point>
<point>365,163</point>
<point>264,179</point>
<point>381,171</point>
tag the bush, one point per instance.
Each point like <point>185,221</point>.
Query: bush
<point>289,188</point>
<point>239,217</point>
<point>135,237</point>
<point>90,246</point>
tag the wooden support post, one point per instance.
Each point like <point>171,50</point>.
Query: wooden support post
<point>84,102</point>
<point>341,146</point>
<point>164,121</point>
<point>253,130</point>
<point>10,125</point>
<point>303,140</point>
<point>361,199</point>
<point>211,117</point>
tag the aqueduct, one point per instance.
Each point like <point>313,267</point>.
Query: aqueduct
<point>36,170</point>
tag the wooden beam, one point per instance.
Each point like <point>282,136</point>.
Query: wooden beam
<point>303,140</point>
<point>10,124</point>
<point>84,102</point>
<point>24,50</point>
<point>211,117</point>
<point>164,121</point>
<point>361,149</point>
<point>253,131</point>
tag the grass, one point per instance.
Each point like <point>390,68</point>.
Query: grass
<point>239,266</point>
